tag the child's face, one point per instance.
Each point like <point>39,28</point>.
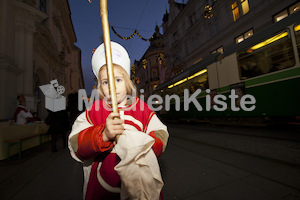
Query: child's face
<point>120,84</point>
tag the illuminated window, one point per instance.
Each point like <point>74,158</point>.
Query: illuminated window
<point>281,16</point>
<point>235,11</point>
<point>244,36</point>
<point>248,34</point>
<point>294,8</point>
<point>219,50</point>
<point>245,6</point>
<point>239,39</point>
<point>270,55</point>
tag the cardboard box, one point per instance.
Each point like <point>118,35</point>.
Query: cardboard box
<point>56,104</point>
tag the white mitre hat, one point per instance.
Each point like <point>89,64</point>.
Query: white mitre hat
<point>119,57</point>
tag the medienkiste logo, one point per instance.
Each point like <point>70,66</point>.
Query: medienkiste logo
<point>53,92</point>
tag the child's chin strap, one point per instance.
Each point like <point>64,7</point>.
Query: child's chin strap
<point>107,46</point>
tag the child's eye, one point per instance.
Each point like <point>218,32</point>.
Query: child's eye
<point>119,80</point>
<point>104,82</point>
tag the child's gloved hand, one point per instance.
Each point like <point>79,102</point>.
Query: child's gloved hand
<point>113,127</point>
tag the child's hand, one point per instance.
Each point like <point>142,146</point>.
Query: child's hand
<point>113,127</point>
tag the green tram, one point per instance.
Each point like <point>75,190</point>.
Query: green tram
<point>265,66</point>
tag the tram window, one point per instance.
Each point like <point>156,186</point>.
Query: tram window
<point>273,54</point>
<point>199,82</point>
<point>297,33</point>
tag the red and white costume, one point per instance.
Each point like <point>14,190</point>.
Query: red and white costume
<point>101,181</point>
<point>21,115</point>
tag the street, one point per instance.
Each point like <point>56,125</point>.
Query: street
<point>206,163</point>
<point>200,162</point>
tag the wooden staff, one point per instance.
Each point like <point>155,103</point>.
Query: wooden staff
<point>108,56</point>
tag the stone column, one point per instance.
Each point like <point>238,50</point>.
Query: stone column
<point>28,61</point>
<point>19,50</point>
<point>3,22</point>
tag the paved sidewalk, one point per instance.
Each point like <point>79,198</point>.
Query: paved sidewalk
<point>41,174</point>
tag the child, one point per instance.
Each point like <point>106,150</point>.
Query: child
<point>92,138</point>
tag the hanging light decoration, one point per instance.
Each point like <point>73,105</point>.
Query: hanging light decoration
<point>124,38</point>
<point>132,35</point>
<point>144,61</point>
<point>208,12</point>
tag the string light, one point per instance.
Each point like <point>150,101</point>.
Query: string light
<point>208,10</point>
<point>132,35</point>
<point>144,61</point>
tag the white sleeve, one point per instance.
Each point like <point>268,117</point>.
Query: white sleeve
<point>25,114</point>
<point>155,124</point>
<point>160,130</point>
<point>79,125</point>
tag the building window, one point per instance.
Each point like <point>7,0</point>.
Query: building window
<point>43,6</point>
<point>239,5</point>
<point>248,34</point>
<point>244,36</point>
<point>218,50</point>
<point>245,6</point>
<point>283,14</point>
<point>294,8</point>
<point>235,11</point>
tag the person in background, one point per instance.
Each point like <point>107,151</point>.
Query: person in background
<point>35,116</point>
<point>22,114</point>
<point>59,125</point>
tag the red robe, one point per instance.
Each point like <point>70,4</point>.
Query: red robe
<point>104,181</point>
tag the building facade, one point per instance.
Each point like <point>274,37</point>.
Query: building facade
<point>193,30</point>
<point>150,70</point>
<point>36,46</point>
